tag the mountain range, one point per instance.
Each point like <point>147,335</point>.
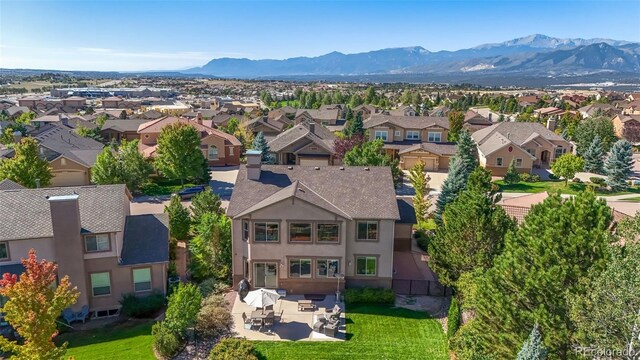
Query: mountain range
<point>534,55</point>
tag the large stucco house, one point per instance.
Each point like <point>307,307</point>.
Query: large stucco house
<point>528,144</point>
<point>298,228</point>
<point>89,232</point>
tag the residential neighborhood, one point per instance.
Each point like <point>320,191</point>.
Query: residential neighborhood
<point>165,198</point>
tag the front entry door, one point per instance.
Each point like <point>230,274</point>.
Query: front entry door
<point>265,275</point>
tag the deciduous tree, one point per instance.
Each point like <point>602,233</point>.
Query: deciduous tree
<point>179,156</point>
<point>211,248</point>
<point>34,303</point>
<point>420,182</point>
<point>456,120</point>
<point>203,203</point>
<point>179,220</point>
<point>618,165</point>
<point>341,146</point>
<point>370,154</point>
<point>566,166</point>
<point>588,128</point>
<point>26,167</point>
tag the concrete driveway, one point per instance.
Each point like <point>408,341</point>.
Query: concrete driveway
<point>222,181</point>
<point>437,178</point>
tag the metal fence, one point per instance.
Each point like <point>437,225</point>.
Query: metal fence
<point>420,287</point>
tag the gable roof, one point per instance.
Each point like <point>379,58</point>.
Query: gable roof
<point>155,127</point>
<point>274,124</point>
<point>26,213</point>
<point>444,149</point>
<point>8,184</point>
<point>326,114</point>
<point>125,125</point>
<point>407,122</point>
<point>146,239</point>
<point>407,211</point>
<point>498,135</point>
<point>64,142</point>
<point>320,136</point>
<point>357,192</point>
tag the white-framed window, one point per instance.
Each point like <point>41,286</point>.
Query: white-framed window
<point>245,230</point>
<point>499,161</point>
<point>367,230</point>
<point>398,133</point>
<point>142,279</point>
<point>300,232</point>
<point>300,268</point>
<point>96,243</point>
<point>560,151</point>
<point>434,136</point>
<point>518,162</point>
<point>101,283</point>
<point>266,232</point>
<point>213,152</point>
<point>381,134</point>
<point>327,267</point>
<point>413,135</point>
<point>329,233</point>
<point>366,265</point>
<point>231,150</point>
<point>4,251</point>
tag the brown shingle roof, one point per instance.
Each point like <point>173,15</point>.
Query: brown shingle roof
<point>407,122</point>
<point>155,126</point>
<point>359,193</point>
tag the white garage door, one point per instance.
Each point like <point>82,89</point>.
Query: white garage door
<point>68,178</point>
<point>314,162</point>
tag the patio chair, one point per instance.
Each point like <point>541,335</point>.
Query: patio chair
<point>278,317</point>
<point>82,314</point>
<point>268,323</point>
<point>256,322</point>
<point>246,321</point>
<point>268,308</point>
<point>318,326</point>
<point>68,315</point>
<point>335,313</point>
<point>331,329</point>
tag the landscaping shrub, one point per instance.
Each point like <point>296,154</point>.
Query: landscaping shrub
<point>453,318</point>
<point>423,237</point>
<point>213,321</point>
<point>598,181</point>
<point>526,177</point>
<point>141,306</point>
<point>369,296</point>
<point>534,178</point>
<point>232,349</point>
<point>165,341</point>
<point>215,300</point>
<point>183,308</point>
<point>212,286</point>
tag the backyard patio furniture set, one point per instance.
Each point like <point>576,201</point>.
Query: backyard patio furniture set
<point>328,323</point>
<point>71,316</point>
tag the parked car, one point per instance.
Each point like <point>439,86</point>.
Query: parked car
<point>189,192</point>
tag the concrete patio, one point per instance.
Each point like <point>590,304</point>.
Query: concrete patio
<point>294,325</point>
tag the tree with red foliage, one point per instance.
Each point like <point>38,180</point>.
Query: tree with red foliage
<point>342,146</point>
<point>33,306</point>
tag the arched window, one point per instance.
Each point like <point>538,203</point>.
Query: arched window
<point>213,152</point>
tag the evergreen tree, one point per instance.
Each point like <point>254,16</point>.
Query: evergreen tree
<point>179,221</point>
<point>511,176</point>
<point>26,167</point>
<point>466,151</point>
<point>355,126</point>
<point>260,144</point>
<point>470,236</point>
<point>593,157</point>
<point>456,120</point>
<point>454,318</point>
<point>587,129</point>
<point>533,349</point>
<point>618,165</point>
<point>542,265</point>
<point>451,187</point>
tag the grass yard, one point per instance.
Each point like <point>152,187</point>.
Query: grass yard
<point>130,340</point>
<point>552,186</point>
<point>373,332</point>
<point>632,199</point>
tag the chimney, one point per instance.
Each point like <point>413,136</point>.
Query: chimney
<point>199,117</point>
<point>17,136</point>
<point>64,120</point>
<point>312,127</point>
<point>551,124</point>
<point>68,243</point>
<point>254,164</point>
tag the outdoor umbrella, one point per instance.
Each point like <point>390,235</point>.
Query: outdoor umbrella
<point>261,298</point>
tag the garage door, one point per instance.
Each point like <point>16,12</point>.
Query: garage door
<point>68,178</point>
<point>314,162</point>
<point>429,163</point>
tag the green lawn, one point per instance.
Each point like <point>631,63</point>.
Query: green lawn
<point>632,199</point>
<point>373,332</point>
<point>131,340</point>
<point>552,186</point>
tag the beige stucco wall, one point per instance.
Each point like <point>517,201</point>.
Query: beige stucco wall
<point>19,249</point>
<point>69,166</point>
<point>391,132</point>
<point>506,155</point>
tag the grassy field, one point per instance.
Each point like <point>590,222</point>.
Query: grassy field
<point>373,332</point>
<point>556,185</point>
<point>131,340</point>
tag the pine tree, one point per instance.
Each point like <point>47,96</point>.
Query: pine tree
<point>451,187</point>
<point>179,220</point>
<point>533,349</point>
<point>531,280</point>
<point>511,176</point>
<point>618,165</point>
<point>466,151</point>
<point>260,144</point>
<point>355,126</point>
<point>593,157</point>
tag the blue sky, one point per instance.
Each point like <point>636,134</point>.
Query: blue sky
<point>145,35</point>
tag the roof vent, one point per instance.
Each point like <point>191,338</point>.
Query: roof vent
<point>317,168</point>
<point>366,169</point>
<point>341,167</point>
<point>290,167</point>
